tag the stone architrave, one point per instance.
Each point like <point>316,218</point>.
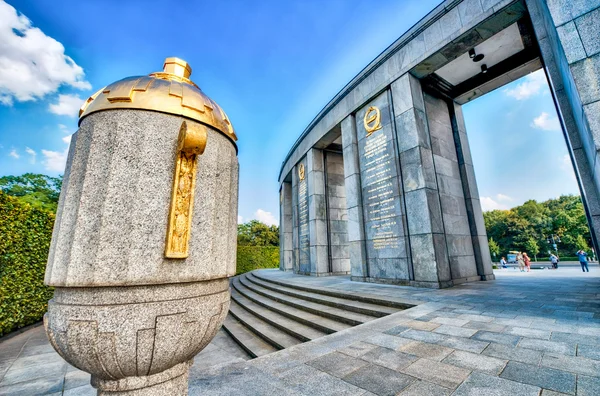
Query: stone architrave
<point>145,234</point>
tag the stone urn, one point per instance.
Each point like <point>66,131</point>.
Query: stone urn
<point>145,235</point>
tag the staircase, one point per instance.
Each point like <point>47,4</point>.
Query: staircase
<point>267,315</point>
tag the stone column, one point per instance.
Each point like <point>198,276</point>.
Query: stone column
<point>481,249</point>
<point>356,230</point>
<point>295,223</point>
<point>567,34</point>
<point>285,227</point>
<point>423,210</point>
<point>317,212</point>
<point>337,213</point>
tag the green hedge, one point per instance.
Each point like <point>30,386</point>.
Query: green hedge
<point>25,234</point>
<point>254,257</point>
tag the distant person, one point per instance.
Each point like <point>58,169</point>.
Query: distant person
<point>521,262</point>
<point>503,262</point>
<point>527,261</point>
<point>554,261</point>
<point>583,260</point>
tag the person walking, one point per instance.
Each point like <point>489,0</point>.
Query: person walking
<point>521,262</point>
<point>527,261</point>
<point>554,261</point>
<point>583,260</point>
<point>503,262</point>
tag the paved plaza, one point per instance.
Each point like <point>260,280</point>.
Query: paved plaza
<point>522,334</point>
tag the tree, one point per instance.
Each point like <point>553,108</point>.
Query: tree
<point>494,248</point>
<point>515,228</point>
<point>255,233</point>
<point>38,190</point>
<point>532,247</point>
<point>581,243</point>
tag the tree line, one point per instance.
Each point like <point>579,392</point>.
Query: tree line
<point>528,227</point>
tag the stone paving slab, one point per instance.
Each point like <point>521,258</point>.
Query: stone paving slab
<point>488,385</point>
<point>479,338</point>
<point>547,378</point>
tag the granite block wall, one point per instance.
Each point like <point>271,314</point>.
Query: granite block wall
<point>568,34</point>
<point>337,214</point>
<point>354,203</point>
<point>450,188</point>
<point>285,227</point>
<point>428,247</point>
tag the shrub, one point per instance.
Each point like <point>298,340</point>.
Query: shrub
<point>254,257</point>
<point>25,234</point>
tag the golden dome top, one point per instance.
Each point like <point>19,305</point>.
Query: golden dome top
<point>170,91</point>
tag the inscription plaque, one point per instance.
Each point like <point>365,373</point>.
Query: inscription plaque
<point>382,208</point>
<point>303,232</point>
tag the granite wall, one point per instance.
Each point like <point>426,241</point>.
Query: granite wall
<point>286,249</point>
<point>337,213</point>
<point>451,196</point>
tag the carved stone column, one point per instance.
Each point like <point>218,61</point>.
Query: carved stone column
<point>145,234</point>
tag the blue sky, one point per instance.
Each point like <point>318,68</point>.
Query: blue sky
<point>271,65</point>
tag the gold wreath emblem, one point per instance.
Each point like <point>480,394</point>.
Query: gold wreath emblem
<point>372,120</point>
<point>301,173</point>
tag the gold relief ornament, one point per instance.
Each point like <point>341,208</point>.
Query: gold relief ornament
<point>301,172</point>
<point>190,144</point>
<point>372,120</point>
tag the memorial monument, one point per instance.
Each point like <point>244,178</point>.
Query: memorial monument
<point>145,234</point>
<point>381,183</point>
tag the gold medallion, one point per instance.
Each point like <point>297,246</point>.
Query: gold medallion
<point>301,174</point>
<point>372,120</point>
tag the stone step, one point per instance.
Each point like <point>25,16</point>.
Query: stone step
<point>328,292</point>
<point>337,314</point>
<point>370,309</point>
<point>296,329</point>
<point>271,334</point>
<point>320,323</point>
<point>246,339</point>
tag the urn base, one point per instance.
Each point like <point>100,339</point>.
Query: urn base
<point>173,381</point>
<point>138,338</point>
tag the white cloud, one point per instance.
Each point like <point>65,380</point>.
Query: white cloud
<point>55,161</point>
<point>67,139</point>
<point>503,198</point>
<point>67,105</point>
<point>533,85</point>
<point>266,217</point>
<point>488,203</point>
<point>13,153</point>
<point>240,219</point>
<point>32,153</point>
<point>546,122</point>
<point>32,64</point>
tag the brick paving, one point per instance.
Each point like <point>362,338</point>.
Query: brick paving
<point>532,333</point>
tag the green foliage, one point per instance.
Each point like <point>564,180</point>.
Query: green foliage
<point>255,233</point>
<point>39,191</point>
<point>526,227</point>
<point>532,246</point>
<point>25,233</point>
<point>254,257</point>
<point>582,244</point>
<point>494,248</point>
